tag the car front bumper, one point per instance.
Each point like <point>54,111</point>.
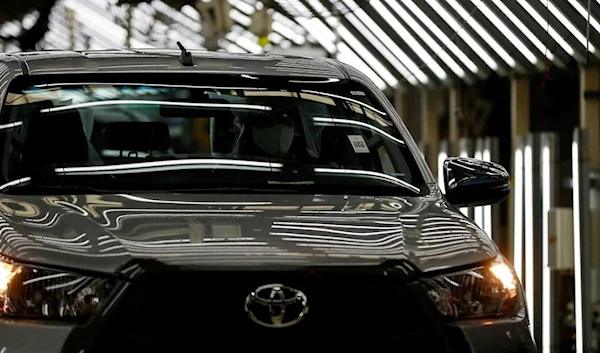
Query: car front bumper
<point>498,336</point>
<point>488,336</point>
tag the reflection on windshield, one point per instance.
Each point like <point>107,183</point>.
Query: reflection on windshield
<point>171,135</point>
<point>157,103</point>
<point>336,121</point>
<point>157,166</point>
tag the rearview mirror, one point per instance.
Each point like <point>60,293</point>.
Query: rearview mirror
<point>473,182</point>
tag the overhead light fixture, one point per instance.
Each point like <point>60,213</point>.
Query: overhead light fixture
<point>435,47</point>
<point>482,32</point>
<point>243,6</point>
<point>369,58</point>
<point>544,24</point>
<point>232,48</point>
<point>287,32</point>
<point>319,8</point>
<point>244,42</point>
<point>382,49</point>
<point>568,25</point>
<point>110,29</point>
<point>584,13</point>
<point>386,46</point>
<point>521,27</point>
<point>322,34</point>
<point>512,38</point>
<point>240,17</point>
<point>346,55</point>
<point>446,41</point>
<point>457,28</point>
<point>275,38</point>
<point>277,16</point>
<point>294,7</point>
<point>410,41</point>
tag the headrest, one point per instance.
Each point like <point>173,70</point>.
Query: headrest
<point>138,136</point>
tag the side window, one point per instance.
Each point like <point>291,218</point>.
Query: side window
<point>386,161</point>
<point>5,77</point>
<point>13,134</point>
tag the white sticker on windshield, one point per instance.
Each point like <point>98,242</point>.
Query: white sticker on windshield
<point>358,143</point>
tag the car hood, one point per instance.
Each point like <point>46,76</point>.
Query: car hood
<point>109,233</point>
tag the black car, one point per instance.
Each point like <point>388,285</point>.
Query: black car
<point>158,201</point>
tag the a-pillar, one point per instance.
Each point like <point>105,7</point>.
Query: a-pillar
<point>430,109</point>
<point>586,238</point>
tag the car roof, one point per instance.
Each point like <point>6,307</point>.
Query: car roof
<point>165,60</point>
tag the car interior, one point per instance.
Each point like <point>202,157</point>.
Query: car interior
<point>221,128</point>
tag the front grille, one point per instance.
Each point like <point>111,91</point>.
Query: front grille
<point>192,310</point>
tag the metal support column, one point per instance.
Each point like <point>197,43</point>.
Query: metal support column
<point>487,149</point>
<point>586,197</point>
<point>430,125</point>
<point>582,242</point>
<point>519,124</point>
<point>454,114</point>
<point>549,190</point>
<point>533,233</point>
<point>406,102</point>
<point>534,192</point>
<point>518,200</point>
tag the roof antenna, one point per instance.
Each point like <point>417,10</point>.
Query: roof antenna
<point>185,58</point>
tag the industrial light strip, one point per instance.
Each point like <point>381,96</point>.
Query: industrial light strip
<point>419,43</point>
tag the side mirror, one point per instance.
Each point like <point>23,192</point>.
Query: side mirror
<point>473,182</point>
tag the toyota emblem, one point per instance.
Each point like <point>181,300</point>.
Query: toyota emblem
<point>276,306</point>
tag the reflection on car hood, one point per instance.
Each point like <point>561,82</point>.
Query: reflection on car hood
<point>105,233</point>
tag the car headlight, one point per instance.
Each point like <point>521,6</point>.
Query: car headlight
<point>38,293</point>
<point>488,291</point>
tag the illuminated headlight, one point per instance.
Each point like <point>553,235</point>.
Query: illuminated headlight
<point>38,293</point>
<point>487,291</point>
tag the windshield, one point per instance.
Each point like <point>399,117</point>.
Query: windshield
<point>303,137</point>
